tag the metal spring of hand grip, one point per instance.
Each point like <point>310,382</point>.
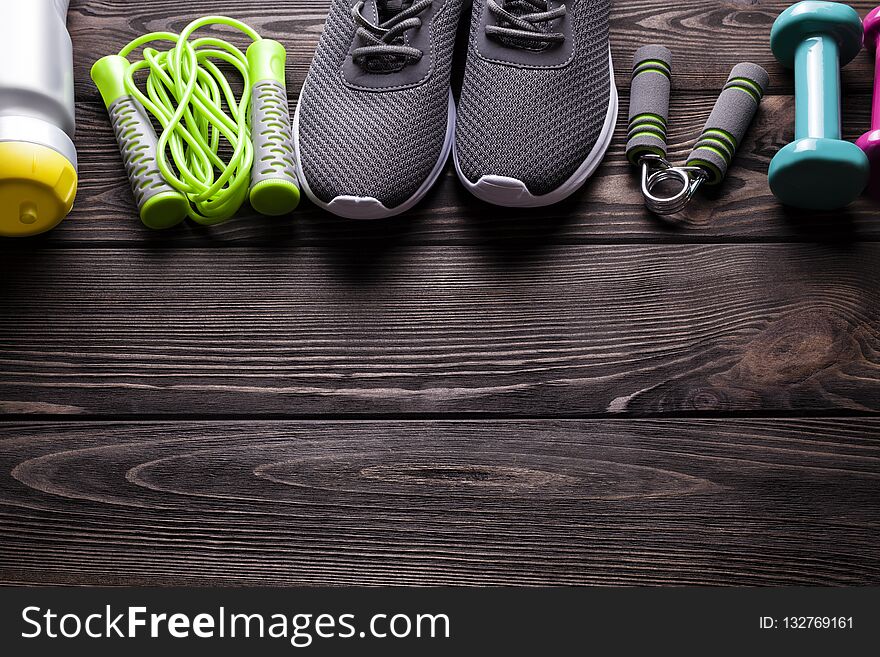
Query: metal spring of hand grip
<point>656,171</point>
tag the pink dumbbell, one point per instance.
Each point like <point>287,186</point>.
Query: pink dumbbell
<point>870,141</point>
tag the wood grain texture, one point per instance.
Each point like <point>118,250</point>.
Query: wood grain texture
<point>707,37</point>
<point>558,330</point>
<point>313,401</point>
<point>442,503</point>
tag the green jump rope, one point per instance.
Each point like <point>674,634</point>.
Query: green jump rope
<point>216,150</point>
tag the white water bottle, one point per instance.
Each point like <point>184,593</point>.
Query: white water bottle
<point>38,166</point>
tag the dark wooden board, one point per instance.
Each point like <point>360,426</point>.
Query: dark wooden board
<point>466,395</point>
<point>436,503</point>
<point>707,37</point>
<point>548,330</point>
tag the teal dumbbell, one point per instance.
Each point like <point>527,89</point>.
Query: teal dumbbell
<point>818,171</point>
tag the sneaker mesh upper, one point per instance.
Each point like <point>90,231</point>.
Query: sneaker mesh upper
<point>379,144</point>
<point>536,125</point>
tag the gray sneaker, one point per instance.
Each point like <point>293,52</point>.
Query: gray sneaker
<point>538,105</point>
<point>375,121</point>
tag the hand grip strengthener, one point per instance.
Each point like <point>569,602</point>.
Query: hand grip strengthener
<point>714,151</point>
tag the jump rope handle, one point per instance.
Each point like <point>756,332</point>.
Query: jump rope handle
<point>159,204</point>
<point>729,122</point>
<point>274,188</point>
<point>649,103</point>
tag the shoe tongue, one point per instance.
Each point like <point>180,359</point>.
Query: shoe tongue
<point>388,9</point>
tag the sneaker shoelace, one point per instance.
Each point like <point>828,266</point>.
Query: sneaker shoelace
<point>386,50</point>
<point>524,24</point>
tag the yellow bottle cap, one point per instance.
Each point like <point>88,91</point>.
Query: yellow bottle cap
<point>37,188</point>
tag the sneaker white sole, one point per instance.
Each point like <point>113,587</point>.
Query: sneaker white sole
<point>513,193</point>
<point>366,207</point>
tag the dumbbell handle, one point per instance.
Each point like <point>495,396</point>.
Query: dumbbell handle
<point>870,141</point>
<point>817,89</point>
<point>875,103</point>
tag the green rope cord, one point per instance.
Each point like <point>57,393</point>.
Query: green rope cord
<point>186,92</point>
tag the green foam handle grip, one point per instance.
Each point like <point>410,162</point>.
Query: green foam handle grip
<point>730,120</point>
<point>649,103</point>
<point>159,204</point>
<point>274,189</point>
